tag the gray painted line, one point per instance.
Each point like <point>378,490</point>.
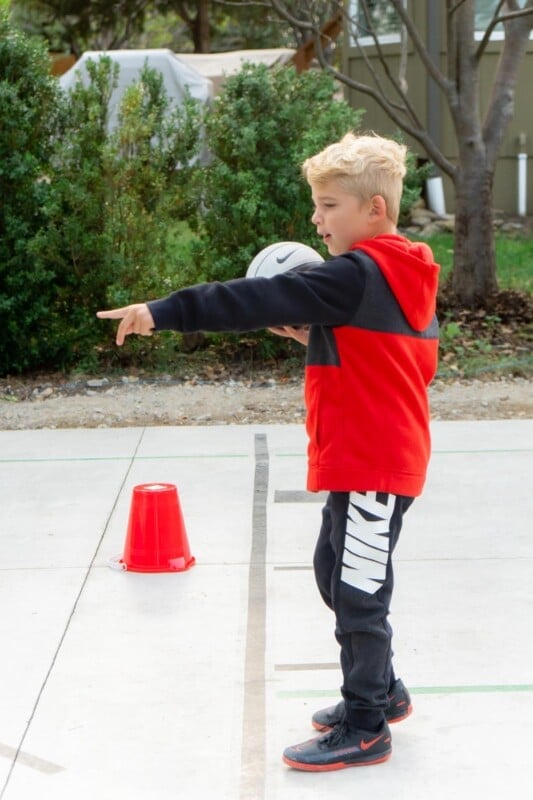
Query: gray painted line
<point>297,496</point>
<point>28,760</point>
<point>293,568</point>
<point>253,750</point>
<point>305,667</point>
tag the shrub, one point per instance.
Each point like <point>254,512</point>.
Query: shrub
<point>262,126</point>
<point>29,111</point>
<point>413,184</point>
<point>114,199</point>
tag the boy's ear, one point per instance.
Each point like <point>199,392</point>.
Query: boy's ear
<point>378,207</point>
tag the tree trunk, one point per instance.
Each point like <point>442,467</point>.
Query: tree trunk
<point>474,270</point>
<point>201,33</point>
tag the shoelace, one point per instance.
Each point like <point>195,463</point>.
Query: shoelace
<point>335,736</point>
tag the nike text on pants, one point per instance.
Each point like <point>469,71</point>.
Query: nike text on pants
<point>353,570</point>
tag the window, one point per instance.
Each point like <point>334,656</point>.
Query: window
<point>484,12</point>
<point>380,17</point>
<point>374,16</point>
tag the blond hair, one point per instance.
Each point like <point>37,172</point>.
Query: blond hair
<point>364,165</point>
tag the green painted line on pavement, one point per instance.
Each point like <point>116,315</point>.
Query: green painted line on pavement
<point>121,458</point>
<point>439,452</point>
<point>481,689</point>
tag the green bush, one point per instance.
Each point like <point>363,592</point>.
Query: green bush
<point>413,184</point>
<point>262,126</point>
<point>90,219</point>
<point>29,111</point>
<point>114,200</point>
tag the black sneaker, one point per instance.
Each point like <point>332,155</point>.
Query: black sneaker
<point>340,748</point>
<point>400,707</point>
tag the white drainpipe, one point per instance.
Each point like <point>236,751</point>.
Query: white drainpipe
<point>522,176</point>
<point>435,195</point>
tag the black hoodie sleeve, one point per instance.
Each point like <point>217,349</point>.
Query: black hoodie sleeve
<point>323,295</point>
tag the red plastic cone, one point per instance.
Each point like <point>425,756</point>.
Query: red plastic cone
<point>156,540</point>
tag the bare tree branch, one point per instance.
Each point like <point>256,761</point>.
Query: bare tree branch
<point>243,3</point>
<point>451,55</point>
<point>281,9</point>
<point>523,12</point>
<point>418,133</point>
<point>501,104</point>
<point>402,69</point>
<point>478,141</point>
<point>403,114</point>
<point>492,24</point>
<point>183,12</point>
<point>454,8</point>
<point>420,46</point>
<point>407,107</point>
<point>496,20</point>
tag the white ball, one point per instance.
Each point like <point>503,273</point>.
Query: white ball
<point>281,257</point>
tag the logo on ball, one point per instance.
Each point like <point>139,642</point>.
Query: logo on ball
<point>282,257</point>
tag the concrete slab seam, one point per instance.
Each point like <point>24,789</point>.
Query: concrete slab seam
<point>19,757</point>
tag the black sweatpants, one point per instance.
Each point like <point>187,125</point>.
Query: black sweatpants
<point>353,570</point>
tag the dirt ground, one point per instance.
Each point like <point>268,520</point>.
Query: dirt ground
<point>132,401</point>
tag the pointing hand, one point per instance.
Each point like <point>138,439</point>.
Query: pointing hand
<point>134,319</point>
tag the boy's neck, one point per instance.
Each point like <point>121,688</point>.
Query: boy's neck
<point>385,228</point>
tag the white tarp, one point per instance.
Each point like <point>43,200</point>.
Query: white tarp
<point>177,75</point>
<point>217,66</point>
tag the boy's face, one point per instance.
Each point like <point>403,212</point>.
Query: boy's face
<point>341,219</point>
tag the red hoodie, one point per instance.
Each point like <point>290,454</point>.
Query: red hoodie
<point>368,415</point>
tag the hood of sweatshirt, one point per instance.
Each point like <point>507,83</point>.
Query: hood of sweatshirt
<point>411,273</point>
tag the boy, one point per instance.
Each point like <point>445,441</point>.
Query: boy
<point>368,317</point>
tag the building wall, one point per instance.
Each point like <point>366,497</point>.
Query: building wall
<point>506,180</point>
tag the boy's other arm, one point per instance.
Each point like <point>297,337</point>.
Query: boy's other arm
<point>300,334</point>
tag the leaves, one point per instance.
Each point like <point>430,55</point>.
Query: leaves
<point>484,339</point>
<point>265,122</point>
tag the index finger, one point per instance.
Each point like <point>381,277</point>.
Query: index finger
<point>113,313</point>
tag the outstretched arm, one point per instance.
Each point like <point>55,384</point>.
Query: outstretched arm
<point>324,295</point>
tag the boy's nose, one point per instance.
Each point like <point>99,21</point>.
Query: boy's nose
<point>315,218</point>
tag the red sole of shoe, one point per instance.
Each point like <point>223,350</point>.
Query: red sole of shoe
<point>332,767</point>
<point>326,729</point>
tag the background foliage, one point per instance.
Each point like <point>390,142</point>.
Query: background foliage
<point>266,122</point>
<point>29,110</point>
<point>112,197</point>
<point>182,25</point>
<point>93,219</point>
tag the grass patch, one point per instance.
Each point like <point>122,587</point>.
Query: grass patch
<point>495,340</point>
<point>514,259</point>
